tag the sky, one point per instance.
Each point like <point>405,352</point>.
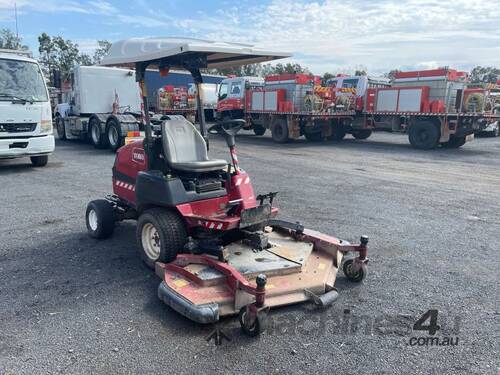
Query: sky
<point>334,36</point>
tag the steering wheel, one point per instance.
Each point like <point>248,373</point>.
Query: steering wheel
<point>228,127</point>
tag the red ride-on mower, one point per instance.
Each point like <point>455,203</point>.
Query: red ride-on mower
<point>218,247</point>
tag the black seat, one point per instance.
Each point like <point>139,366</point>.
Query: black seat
<point>185,149</point>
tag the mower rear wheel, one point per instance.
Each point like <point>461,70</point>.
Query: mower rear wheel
<point>161,234</point>
<point>100,219</point>
<point>354,271</point>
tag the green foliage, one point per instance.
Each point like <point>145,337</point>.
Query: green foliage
<point>487,74</point>
<point>57,53</point>
<point>8,40</point>
<point>101,51</point>
<point>326,77</point>
<point>361,72</point>
<point>260,70</point>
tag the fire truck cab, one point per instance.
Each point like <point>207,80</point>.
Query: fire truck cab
<point>231,96</point>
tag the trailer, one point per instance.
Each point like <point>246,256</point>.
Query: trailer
<point>289,105</point>
<point>102,106</point>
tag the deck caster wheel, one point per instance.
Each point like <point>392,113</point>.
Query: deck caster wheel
<point>354,271</point>
<point>252,326</point>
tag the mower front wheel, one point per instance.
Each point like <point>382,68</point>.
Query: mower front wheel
<point>354,271</point>
<point>161,234</point>
<point>252,327</point>
<point>100,219</point>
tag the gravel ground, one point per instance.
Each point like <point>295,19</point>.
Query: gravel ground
<point>70,304</point>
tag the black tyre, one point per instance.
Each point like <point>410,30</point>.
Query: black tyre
<point>161,235</point>
<point>313,136</point>
<point>61,132</point>
<point>279,131</point>
<point>362,134</point>
<point>254,329</point>
<point>338,133</point>
<point>39,161</point>
<point>454,142</point>
<point>424,135</point>
<point>100,219</point>
<point>354,271</point>
<point>259,129</point>
<point>114,135</point>
<point>98,139</point>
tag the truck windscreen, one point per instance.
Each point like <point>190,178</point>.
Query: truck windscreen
<point>21,80</point>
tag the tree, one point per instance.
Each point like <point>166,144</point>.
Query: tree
<point>60,54</point>
<point>101,51</point>
<point>326,77</point>
<point>361,72</point>
<point>487,74</point>
<point>8,40</point>
<point>84,59</point>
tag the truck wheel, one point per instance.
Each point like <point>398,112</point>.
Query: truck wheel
<point>258,129</point>
<point>454,142</point>
<point>338,133</point>
<point>61,132</point>
<point>100,219</point>
<point>279,132</point>
<point>313,136</point>
<point>362,134</point>
<point>115,139</point>
<point>39,161</point>
<point>424,135</point>
<point>161,234</point>
<point>96,137</point>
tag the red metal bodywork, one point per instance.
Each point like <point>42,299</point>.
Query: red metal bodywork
<point>230,104</point>
<point>208,213</point>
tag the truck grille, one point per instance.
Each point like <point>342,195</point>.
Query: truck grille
<point>17,127</point>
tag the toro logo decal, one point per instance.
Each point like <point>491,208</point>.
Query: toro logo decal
<point>138,155</point>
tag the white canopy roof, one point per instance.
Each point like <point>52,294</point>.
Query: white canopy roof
<point>218,54</point>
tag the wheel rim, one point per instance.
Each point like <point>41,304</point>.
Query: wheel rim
<point>151,241</point>
<point>113,136</point>
<point>95,134</point>
<point>423,136</point>
<point>93,220</point>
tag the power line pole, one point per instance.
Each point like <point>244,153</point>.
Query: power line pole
<point>15,12</point>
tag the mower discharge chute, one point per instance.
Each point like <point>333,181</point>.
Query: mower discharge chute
<point>217,246</point>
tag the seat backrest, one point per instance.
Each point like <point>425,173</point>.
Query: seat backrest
<point>182,142</point>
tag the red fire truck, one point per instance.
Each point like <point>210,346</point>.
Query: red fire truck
<point>290,105</point>
<point>434,107</point>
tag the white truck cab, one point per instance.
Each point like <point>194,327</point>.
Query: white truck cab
<point>25,112</point>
